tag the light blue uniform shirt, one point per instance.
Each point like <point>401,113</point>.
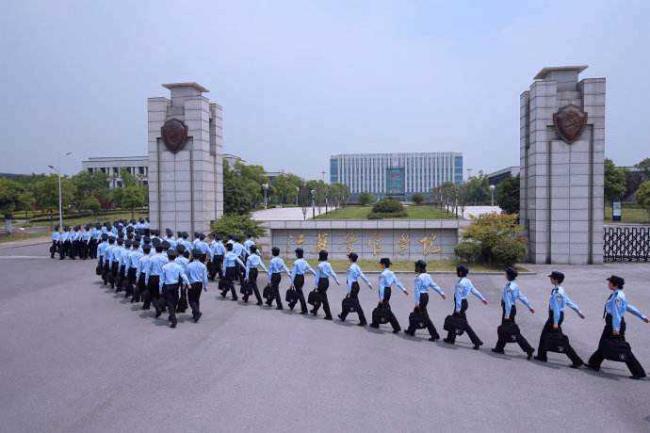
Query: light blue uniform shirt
<point>172,242</point>
<point>143,266</point>
<point>55,236</point>
<point>512,293</point>
<point>187,244</point>
<point>386,279</point>
<point>248,243</point>
<point>325,271</point>
<point>617,306</point>
<point>277,266</point>
<point>172,273</point>
<point>156,264</point>
<point>134,259</point>
<point>464,288</point>
<point>101,249</point>
<point>237,248</point>
<point>253,262</point>
<point>354,273</point>
<point>301,267</point>
<point>183,262</point>
<point>423,283</point>
<point>217,249</point>
<point>558,301</point>
<point>110,253</point>
<point>202,246</point>
<point>231,259</point>
<point>197,272</point>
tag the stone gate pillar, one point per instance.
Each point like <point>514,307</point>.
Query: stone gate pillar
<point>562,151</point>
<point>185,159</point>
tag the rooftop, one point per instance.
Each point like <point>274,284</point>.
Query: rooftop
<point>191,84</point>
<point>544,72</point>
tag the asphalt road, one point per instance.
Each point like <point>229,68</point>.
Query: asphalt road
<point>75,357</point>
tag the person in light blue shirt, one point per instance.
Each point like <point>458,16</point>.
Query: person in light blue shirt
<point>201,244</point>
<point>510,295</point>
<point>423,282</point>
<point>133,262</point>
<point>154,272</point>
<point>253,263</point>
<point>217,252</point>
<point>182,259</point>
<point>239,249</point>
<point>171,279</point>
<point>298,270</point>
<point>101,251</point>
<point>197,274</point>
<point>141,273</point>
<point>116,258</point>
<point>386,280</point>
<point>55,241</point>
<point>231,262</point>
<point>463,289</point>
<point>248,243</point>
<point>108,260</point>
<point>169,237</point>
<point>614,332</point>
<point>276,268</point>
<point>352,285</point>
<point>558,301</point>
<point>324,272</point>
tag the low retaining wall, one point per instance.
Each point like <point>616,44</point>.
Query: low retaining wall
<point>397,239</point>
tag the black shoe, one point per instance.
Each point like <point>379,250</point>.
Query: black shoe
<point>327,317</point>
<point>637,377</point>
<point>529,354</point>
<point>434,339</point>
<point>172,325</point>
<point>223,295</point>
<point>303,312</point>
<point>279,308</point>
<point>158,313</point>
<point>314,312</point>
<point>411,333</point>
<point>537,358</point>
<point>448,341</point>
<point>374,325</point>
<point>593,367</point>
<point>396,331</point>
<point>197,317</point>
<point>341,318</point>
<point>361,324</point>
<point>476,347</point>
<point>577,365</point>
<point>495,350</point>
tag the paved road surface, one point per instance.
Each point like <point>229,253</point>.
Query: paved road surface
<point>77,359</point>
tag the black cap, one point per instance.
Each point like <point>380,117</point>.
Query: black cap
<point>462,270</point>
<point>171,253</point>
<point>557,275</point>
<point>617,281</point>
<point>196,252</point>
<point>385,261</point>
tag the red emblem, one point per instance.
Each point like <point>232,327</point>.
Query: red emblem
<point>174,135</point>
<point>570,121</point>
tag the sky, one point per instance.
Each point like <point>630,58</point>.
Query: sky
<point>302,80</point>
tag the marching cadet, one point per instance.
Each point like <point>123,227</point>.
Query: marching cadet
<point>557,302</point>
<point>86,236</point>
<point>101,253</point>
<point>386,280</point>
<point>615,308</point>
<point>253,262</point>
<point>352,284</point>
<point>95,236</point>
<point>116,259</point>
<point>463,289</point>
<point>217,252</point>
<point>197,274</point>
<point>201,244</point>
<point>108,260</point>
<point>324,273</point>
<point>183,240</point>
<point>183,260</point>
<point>171,278</point>
<point>141,274</point>
<point>276,267</point>
<point>248,243</point>
<point>169,237</point>
<point>231,262</point>
<point>55,241</point>
<point>74,243</point>
<point>154,271</point>
<point>298,270</point>
<point>423,282</point>
<point>132,270</point>
<point>124,263</point>
<point>65,242</point>
<point>511,294</point>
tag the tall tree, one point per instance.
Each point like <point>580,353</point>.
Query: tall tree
<point>643,196</point>
<point>506,195</point>
<point>615,181</point>
<point>242,187</point>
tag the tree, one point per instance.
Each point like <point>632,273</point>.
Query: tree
<point>242,187</point>
<point>46,193</point>
<point>644,165</point>
<point>339,194</point>
<point>493,239</point>
<point>9,193</point>
<point>643,196</point>
<point>91,204</point>
<point>132,197</point>
<point>26,201</point>
<point>237,225</point>
<point>418,198</point>
<point>476,191</point>
<point>366,199</point>
<point>284,188</point>
<point>92,184</point>
<point>387,208</point>
<point>615,181</point>
<point>127,178</point>
<point>507,195</point>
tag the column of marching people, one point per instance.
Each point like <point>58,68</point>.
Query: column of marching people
<point>169,273</point>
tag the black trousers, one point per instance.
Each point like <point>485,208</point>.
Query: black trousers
<point>113,276</point>
<point>543,338</point>
<point>53,248</point>
<point>298,283</point>
<point>521,341</point>
<point>251,285</point>
<point>323,285</point>
<point>140,289</point>
<point>130,280</point>
<point>170,297</point>
<point>354,295</point>
<point>422,310</point>
<point>121,278</point>
<point>229,282</point>
<point>276,278</point>
<point>451,336</point>
<point>216,267</point>
<point>92,248</point>
<point>386,304</point>
<point>152,295</point>
<point>194,297</point>
<point>608,332</point>
<point>106,270</point>
<point>66,250</point>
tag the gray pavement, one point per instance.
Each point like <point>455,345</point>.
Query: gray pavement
<point>75,357</point>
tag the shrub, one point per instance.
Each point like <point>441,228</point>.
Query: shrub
<point>387,208</point>
<point>418,198</point>
<point>237,225</point>
<point>494,240</point>
<point>365,199</point>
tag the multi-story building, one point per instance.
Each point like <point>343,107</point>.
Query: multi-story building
<point>396,174</point>
<point>136,165</point>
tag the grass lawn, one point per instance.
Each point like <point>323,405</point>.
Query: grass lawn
<point>20,236</point>
<point>630,215</point>
<point>88,219</point>
<point>361,213</point>
<point>341,266</point>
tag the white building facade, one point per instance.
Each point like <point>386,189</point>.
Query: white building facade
<point>136,165</point>
<point>396,174</point>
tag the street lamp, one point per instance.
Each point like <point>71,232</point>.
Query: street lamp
<point>297,194</point>
<point>58,172</point>
<point>492,187</point>
<point>265,186</point>
<point>313,203</point>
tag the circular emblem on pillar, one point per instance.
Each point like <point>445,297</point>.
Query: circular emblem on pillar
<point>174,135</point>
<point>570,121</point>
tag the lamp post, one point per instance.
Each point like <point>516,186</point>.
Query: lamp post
<point>313,203</point>
<point>265,186</point>
<point>297,194</point>
<point>58,172</point>
<point>492,187</point>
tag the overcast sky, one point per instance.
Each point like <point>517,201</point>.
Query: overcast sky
<point>302,80</point>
